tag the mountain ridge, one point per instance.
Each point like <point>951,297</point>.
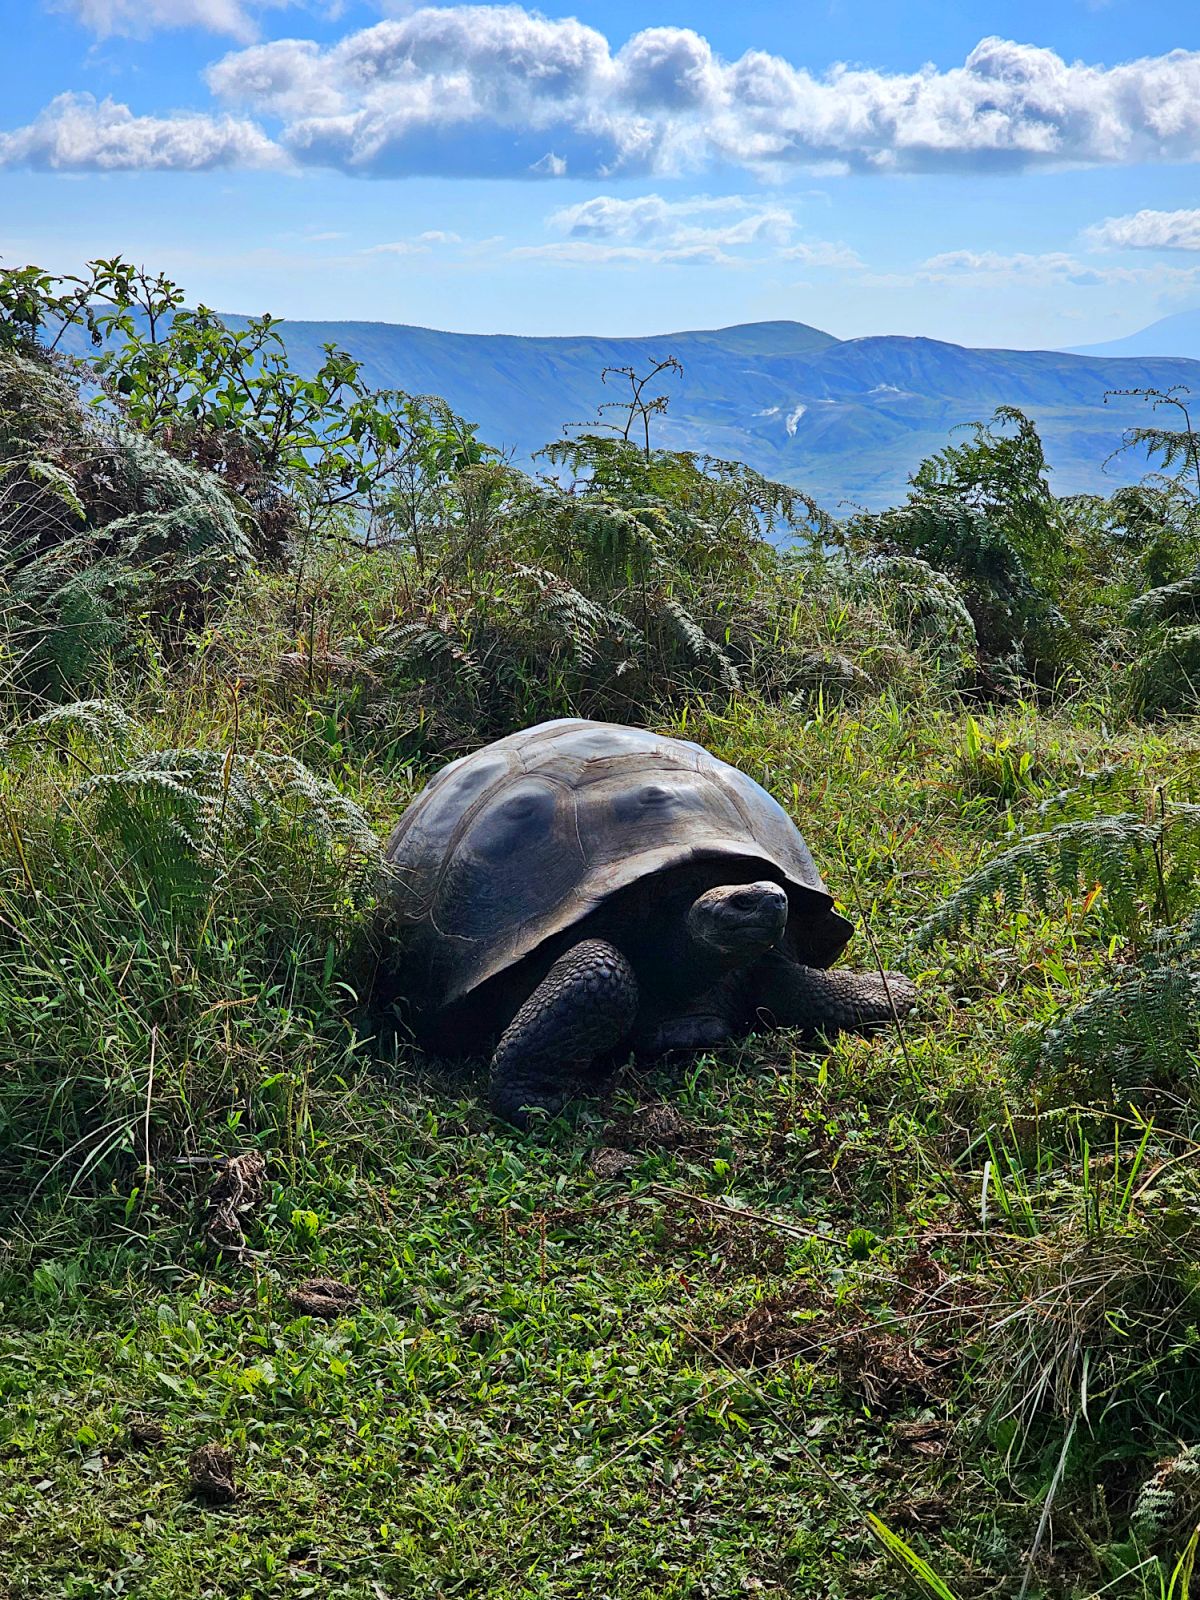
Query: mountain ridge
<point>1176,335</point>
<point>845,419</point>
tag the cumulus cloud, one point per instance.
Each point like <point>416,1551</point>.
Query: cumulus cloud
<point>141,17</point>
<point>726,220</point>
<point>1148,230</point>
<point>607,229</point>
<point>420,245</point>
<point>1053,266</point>
<point>590,253</point>
<point>498,90</point>
<point>822,253</point>
<point>77,133</point>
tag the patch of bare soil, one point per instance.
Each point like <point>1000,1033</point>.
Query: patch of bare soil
<point>479,1325</point>
<point>924,1512</point>
<point>889,1367</point>
<point>928,1438</point>
<point>608,1162</point>
<point>236,1191</point>
<point>226,1305</point>
<point>323,1297</point>
<point>718,1242</point>
<point>211,1475</point>
<point>657,1126</point>
<point>144,1433</point>
<point>795,1324</point>
<point>889,1371</point>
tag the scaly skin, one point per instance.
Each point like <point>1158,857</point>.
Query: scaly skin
<point>583,1007</point>
<point>784,994</point>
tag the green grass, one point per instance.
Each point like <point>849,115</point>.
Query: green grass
<point>914,1315</point>
<point>549,1386</point>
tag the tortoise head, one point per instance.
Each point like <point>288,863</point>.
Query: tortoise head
<point>739,920</point>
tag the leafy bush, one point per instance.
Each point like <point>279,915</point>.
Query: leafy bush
<point>105,538</point>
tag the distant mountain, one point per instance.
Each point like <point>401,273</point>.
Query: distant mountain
<point>1169,336</point>
<point>847,420</point>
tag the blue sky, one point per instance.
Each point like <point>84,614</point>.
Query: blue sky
<point>1016,174</point>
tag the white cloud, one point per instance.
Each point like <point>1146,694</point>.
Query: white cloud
<point>822,253</point>
<point>1051,267</point>
<point>588,253</point>
<point>1148,230</point>
<point>652,229</point>
<point>77,133</point>
<point>724,220</point>
<point>419,246</point>
<point>995,270</point>
<point>142,17</point>
<point>497,90</point>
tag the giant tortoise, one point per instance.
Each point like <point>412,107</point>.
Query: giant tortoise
<point>581,889</point>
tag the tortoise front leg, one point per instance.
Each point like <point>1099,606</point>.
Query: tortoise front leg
<point>784,994</point>
<point>583,1007</point>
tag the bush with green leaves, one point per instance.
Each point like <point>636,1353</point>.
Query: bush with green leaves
<point>982,513</point>
<point>106,540</point>
<point>297,451</point>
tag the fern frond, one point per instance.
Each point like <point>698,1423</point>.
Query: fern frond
<point>1170,603</point>
<point>1166,676</point>
<point>104,723</point>
<point>205,798</point>
<point>1088,785</point>
<point>703,650</point>
<point>1169,1498</point>
<point>421,648</point>
<point>1115,851</point>
<point>575,618</point>
<point>925,603</point>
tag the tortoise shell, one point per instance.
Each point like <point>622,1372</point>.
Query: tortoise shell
<point>524,839</point>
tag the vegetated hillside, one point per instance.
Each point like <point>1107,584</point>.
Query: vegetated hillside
<point>844,420</point>
<point>1177,335</point>
<point>283,1310</point>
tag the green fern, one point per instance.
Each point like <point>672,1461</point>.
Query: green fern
<point>422,650</point>
<point>1118,852</point>
<point>1079,795</point>
<point>925,604</point>
<point>1145,1022</point>
<point>1165,678</point>
<point>1170,1498</point>
<point>703,651</point>
<point>575,619</point>
<point>185,525</point>
<point>1171,603</point>
<point>103,724</point>
<point>182,815</point>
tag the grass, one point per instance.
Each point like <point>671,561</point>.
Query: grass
<point>912,1315</point>
<point>701,1366</point>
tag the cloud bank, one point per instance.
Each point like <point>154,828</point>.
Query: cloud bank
<point>1149,230</point>
<point>501,91</point>
<point>722,230</point>
<point>78,133</point>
